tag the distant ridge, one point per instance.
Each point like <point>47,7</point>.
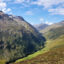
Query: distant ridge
<point>41,26</point>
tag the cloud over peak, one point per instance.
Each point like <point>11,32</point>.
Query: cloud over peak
<point>3,6</point>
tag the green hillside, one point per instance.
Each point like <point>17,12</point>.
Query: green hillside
<point>55,56</point>
<point>54,33</point>
<point>56,47</point>
<point>56,44</point>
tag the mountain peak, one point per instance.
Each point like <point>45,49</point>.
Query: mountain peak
<point>41,26</point>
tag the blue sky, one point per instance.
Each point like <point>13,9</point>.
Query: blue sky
<point>35,11</point>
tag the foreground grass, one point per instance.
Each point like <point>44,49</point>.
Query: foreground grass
<point>51,44</point>
<point>33,55</point>
<point>2,61</point>
<point>55,56</point>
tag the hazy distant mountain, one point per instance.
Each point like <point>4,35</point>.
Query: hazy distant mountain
<point>17,37</point>
<point>41,26</point>
<point>53,26</point>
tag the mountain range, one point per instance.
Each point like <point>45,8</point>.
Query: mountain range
<point>41,26</point>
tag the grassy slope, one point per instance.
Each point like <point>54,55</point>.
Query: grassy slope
<point>55,56</point>
<point>2,61</point>
<point>55,44</point>
<point>54,33</point>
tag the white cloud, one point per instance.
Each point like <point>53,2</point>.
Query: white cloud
<point>0,0</point>
<point>6,10</point>
<point>22,1</point>
<point>19,1</point>
<point>3,7</point>
<point>29,13</point>
<point>49,23</point>
<point>48,3</point>
<point>42,20</point>
<point>57,11</point>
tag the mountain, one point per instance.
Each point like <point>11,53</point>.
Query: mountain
<point>53,52</point>
<point>17,38</point>
<point>53,26</point>
<point>54,31</point>
<point>41,26</point>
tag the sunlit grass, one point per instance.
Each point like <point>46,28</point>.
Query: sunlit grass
<point>50,45</point>
<point>34,55</point>
<point>2,61</point>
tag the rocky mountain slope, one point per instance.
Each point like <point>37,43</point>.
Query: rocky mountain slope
<point>17,38</point>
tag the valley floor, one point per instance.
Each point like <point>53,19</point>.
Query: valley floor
<point>53,53</point>
<point>55,56</point>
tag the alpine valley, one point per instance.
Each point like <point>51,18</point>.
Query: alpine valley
<point>53,51</point>
<point>22,43</point>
